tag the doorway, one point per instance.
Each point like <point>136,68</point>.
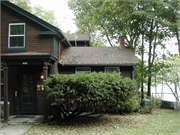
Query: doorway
<point>28,93</point>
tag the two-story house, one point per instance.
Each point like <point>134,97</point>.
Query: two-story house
<point>31,49</point>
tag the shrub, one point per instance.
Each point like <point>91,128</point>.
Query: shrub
<point>148,107</point>
<point>1,111</point>
<point>95,92</point>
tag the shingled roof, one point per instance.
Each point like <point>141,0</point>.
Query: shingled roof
<point>79,37</point>
<point>98,56</point>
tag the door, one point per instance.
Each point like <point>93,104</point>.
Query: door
<point>28,96</point>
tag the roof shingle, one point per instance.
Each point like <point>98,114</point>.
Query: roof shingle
<point>96,56</point>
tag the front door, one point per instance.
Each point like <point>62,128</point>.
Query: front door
<point>28,96</point>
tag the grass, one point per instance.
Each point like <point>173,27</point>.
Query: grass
<point>160,122</point>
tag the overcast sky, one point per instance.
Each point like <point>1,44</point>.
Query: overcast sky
<point>62,12</point>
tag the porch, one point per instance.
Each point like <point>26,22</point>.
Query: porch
<point>23,87</point>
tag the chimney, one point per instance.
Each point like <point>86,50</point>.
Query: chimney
<point>121,41</point>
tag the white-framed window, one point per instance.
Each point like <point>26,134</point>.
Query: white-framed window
<point>16,37</point>
<point>83,69</point>
<point>112,69</point>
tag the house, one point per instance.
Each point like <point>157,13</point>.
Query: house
<point>31,49</point>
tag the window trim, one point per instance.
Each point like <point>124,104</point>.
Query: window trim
<point>83,71</point>
<point>19,35</point>
<point>19,48</point>
<point>111,67</point>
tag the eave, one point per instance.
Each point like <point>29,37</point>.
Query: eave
<point>29,57</point>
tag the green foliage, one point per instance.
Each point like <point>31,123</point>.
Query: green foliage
<point>95,92</point>
<point>37,10</point>
<point>169,71</point>
<point>146,24</point>
<point>148,107</point>
<point>1,111</point>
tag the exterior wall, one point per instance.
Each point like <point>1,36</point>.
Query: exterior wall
<point>126,71</point>
<point>35,42</point>
<point>56,48</point>
<point>62,47</point>
<point>12,87</point>
<point>66,70</point>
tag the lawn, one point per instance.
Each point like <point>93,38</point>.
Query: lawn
<point>160,122</point>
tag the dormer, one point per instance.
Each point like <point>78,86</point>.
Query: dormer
<point>78,39</point>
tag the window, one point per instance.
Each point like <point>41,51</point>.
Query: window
<point>112,69</point>
<point>16,37</point>
<point>83,69</point>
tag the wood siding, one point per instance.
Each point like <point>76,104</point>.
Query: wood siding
<point>126,71</point>
<point>40,103</point>
<point>35,42</point>
<point>56,48</point>
<point>12,87</point>
<point>66,70</point>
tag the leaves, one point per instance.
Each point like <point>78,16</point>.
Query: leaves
<point>95,92</point>
<point>37,10</point>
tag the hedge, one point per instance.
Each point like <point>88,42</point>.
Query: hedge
<point>95,92</point>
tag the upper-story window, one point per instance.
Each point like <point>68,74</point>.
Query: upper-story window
<point>16,35</point>
<point>112,69</point>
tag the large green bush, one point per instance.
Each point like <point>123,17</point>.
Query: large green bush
<point>95,92</point>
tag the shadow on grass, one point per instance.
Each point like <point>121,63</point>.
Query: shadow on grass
<point>77,121</point>
<point>95,120</point>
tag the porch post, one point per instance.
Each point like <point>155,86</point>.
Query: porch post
<point>51,70</point>
<point>45,72</point>
<point>6,109</point>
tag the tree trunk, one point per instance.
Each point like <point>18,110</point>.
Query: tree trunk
<point>142,72</point>
<point>177,36</point>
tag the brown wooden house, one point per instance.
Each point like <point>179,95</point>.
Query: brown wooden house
<point>32,48</point>
<point>29,47</point>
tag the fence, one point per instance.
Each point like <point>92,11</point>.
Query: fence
<point>168,100</point>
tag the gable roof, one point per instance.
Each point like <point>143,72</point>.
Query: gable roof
<point>79,37</point>
<point>98,56</point>
<point>52,29</point>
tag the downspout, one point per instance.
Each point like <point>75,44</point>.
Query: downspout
<point>132,73</point>
<point>60,46</point>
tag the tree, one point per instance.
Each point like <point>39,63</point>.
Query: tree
<point>173,18</point>
<point>37,10</point>
<point>171,73</point>
<point>141,21</point>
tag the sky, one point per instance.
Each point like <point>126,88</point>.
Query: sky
<point>62,12</point>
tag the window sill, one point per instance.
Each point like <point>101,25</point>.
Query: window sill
<point>23,49</point>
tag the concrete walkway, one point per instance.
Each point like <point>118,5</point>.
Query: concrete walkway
<point>19,125</point>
